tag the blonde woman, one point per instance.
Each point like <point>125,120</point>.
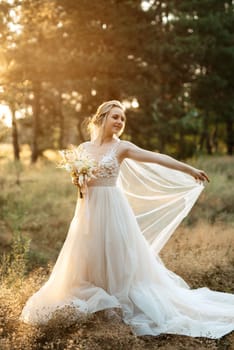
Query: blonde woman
<point>109,260</point>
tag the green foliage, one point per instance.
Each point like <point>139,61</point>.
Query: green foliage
<point>68,57</point>
<point>202,40</point>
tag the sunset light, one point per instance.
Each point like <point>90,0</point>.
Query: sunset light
<point>121,114</point>
<point>5,115</point>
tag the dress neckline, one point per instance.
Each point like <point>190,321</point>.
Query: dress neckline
<point>109,151</point>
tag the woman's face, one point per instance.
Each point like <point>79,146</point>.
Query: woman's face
<point>115,121</point>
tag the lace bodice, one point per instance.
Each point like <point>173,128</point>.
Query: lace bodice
<point>107,165</point>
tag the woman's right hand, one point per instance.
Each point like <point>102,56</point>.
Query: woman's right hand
<point>198,174</point>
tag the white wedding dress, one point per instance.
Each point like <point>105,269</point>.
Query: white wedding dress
<point>109,258</point>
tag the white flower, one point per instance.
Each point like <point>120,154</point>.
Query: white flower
<point>78,163</point>
<point>68,167</point>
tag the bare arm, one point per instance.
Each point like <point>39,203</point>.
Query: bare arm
<point>131,151</point>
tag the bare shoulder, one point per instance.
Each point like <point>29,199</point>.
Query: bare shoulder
<point>124,148</point>
<point>125,145</point>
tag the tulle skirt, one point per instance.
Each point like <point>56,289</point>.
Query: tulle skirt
<point>106,262</point>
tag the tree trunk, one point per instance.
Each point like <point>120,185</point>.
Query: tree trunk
<point>215,138</point>
<point>36,120</point>
<point>208,143</point>
<point>15,139</point>
<point>230,137</point>
<point>205,136</point>
<point>61,122</point>
<point>162,143</point>
<point>201,141</point>
<point>182,146</point>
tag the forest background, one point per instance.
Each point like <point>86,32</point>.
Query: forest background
<point>172,64</point>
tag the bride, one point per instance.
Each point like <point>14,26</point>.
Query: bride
<point>110,260</point>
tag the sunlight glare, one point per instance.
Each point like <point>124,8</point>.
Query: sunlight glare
<point>5,115</point>
<point>14,25</point>
<point>135,103</point>
<point>146,4</point>
<point>131,104</point>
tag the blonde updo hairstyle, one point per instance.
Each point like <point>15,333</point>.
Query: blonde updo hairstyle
<point>97,122</point>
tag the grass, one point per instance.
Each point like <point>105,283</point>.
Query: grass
<point>36,206</point>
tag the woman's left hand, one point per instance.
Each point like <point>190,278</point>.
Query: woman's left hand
<point>199,174</point>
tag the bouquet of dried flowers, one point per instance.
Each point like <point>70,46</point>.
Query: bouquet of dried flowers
<point>79,165</point>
